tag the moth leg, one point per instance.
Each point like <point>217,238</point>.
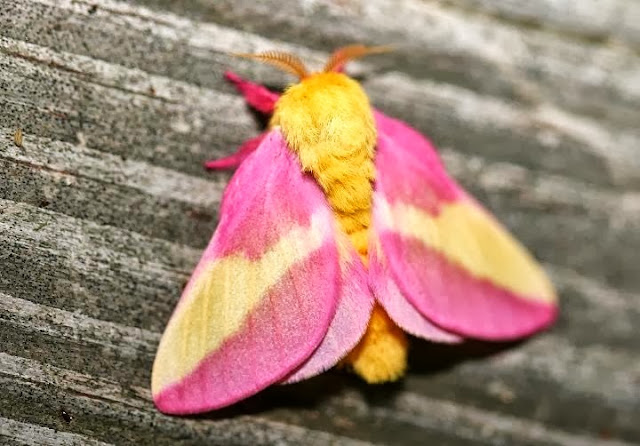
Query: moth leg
<point>257,96</point>
<point>234,160</point>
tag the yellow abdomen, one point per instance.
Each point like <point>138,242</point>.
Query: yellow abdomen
<point>327,120</point>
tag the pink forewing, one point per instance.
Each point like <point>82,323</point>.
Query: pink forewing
<point>261,203</point>
<point>454,299</point>
<point>410,169</point>
<point>411,175</point>
<point>267,198</point>
<point>277,336</point>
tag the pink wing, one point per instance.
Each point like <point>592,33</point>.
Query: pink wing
<point>351,319</point>
<point>452,261</point>
<point>263,294</point>
<point>387,293</point>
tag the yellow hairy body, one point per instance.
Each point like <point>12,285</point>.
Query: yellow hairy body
<point>327,121</point>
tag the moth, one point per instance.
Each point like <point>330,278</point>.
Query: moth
<point>339,234</point>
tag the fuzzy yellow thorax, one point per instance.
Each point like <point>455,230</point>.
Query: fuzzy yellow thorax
<point>328,122</point>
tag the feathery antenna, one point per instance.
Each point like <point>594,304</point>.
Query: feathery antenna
<point>351,52</point>
<point>285,61</point>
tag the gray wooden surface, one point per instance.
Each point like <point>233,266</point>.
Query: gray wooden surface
<point>105,209</point>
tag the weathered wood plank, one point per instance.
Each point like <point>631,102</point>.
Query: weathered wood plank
<point>122,416</point>
<point>105,208</point>
<point>435,416</point>
<point>587,19</point>
<point>549,128</point>
<point>89,183</point>
<point>17,433</point>
<point>448,44</point>
<point>481,426</point>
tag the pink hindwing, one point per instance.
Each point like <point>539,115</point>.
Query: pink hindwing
<point>403,313</point>
<point>450,259</point>
<point>263,294</point>
<point>352,315</point>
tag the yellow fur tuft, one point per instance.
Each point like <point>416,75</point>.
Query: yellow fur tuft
<point>381,355</point>
<point>327,120</point>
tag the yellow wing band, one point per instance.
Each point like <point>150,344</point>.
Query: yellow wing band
<point>471,239</point>
<point>226,291</point>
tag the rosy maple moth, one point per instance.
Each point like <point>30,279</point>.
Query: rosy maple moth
<point>339,233</point>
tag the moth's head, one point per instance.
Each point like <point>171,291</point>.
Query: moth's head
<point>292,64</point>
